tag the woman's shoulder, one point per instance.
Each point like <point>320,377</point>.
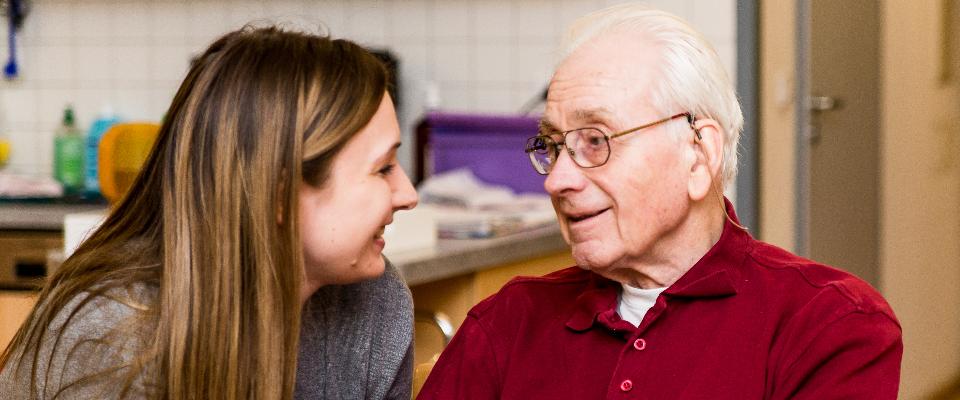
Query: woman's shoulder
<point>95,333</point>
<point>356,339</point>
<point>389,287</point>
<point>98,311</point>
<point>97,314</point>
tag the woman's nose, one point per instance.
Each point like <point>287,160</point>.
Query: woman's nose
<point>404,195</point>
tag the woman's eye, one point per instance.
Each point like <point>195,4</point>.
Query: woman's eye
<point>386,170</point>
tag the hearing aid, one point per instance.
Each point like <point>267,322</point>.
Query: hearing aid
<point>692,120</point>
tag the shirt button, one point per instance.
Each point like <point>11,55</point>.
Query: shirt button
<point>626,385</point>
<point>639,344</point>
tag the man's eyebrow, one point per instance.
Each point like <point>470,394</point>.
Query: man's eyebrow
<point>592,114</point>
<point>547,128</point>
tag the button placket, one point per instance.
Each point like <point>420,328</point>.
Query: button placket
<point>640,344</point>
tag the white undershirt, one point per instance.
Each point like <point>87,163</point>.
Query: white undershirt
<point>634,303</point>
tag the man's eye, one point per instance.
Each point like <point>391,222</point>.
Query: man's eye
<point>539,144</point>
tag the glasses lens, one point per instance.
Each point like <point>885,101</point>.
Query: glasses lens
<point>590,147</point>
<point>542,151</point>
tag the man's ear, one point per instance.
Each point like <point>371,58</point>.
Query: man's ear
<point>707,141</point>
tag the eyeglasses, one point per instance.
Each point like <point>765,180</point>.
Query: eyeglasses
<point>587,147</point>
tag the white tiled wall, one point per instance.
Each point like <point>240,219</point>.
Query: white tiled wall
<point>482,56</point>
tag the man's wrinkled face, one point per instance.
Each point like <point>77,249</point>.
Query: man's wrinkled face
<point>619,213</point>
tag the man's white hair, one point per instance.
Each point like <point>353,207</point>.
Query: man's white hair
<point>691,76</point>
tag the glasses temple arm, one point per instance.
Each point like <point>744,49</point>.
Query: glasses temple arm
<point>658,122</point>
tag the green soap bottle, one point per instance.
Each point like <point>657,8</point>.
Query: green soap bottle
<point>68,148</point>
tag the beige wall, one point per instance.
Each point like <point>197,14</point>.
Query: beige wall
<point>920,177</point>
<point>480,56</point>
<point>920,206</point>
<point>777,115</point>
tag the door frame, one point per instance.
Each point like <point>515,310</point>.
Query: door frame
<point>748,78</point>
<point>801,207</point>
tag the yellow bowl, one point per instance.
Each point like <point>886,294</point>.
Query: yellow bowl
<point>123,150</point>
<point>4,151</point>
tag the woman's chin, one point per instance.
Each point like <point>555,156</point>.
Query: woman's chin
<point>371,269</point>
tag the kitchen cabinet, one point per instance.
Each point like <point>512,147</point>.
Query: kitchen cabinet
<point>454,296</point>
<point>29,234</point>
<point>15,306</point>
<point>450,278</point>
<point>23,257</point>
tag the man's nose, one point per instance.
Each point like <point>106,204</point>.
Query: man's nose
<point>565,176</point>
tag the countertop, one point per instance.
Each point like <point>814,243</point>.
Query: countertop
<point>40,217</point>
<point>452,257</point>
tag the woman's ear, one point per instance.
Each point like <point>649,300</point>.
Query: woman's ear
<point>707,141</point>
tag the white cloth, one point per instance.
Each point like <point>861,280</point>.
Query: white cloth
<point>634,303</point>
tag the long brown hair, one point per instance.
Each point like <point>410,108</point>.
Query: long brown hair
<point>211,222</point>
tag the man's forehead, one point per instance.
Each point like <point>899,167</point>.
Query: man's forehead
<point>596,113</point>
<point>588,98</point>
<point>595,83</point>
<point>564,82</point>
<point>608,52</point>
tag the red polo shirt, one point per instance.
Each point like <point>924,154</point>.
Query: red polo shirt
<point>748,321</point>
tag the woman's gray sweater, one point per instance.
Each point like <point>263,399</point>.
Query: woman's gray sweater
<point>356,342</point>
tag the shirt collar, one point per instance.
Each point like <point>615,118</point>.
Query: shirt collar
<point>715,275</point>
<point>599,296</point>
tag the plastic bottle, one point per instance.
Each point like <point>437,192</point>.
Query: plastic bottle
<point>68,155</point>
<point>104,121</point>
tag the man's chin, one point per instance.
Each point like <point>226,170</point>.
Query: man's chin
<point>589,257</point>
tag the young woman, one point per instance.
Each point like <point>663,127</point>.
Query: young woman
<point>246,260</point>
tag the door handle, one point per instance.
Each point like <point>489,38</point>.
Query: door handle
<point>816,105</point>
<point>824,103</point>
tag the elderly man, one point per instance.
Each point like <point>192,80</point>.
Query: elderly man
<point>671,298</point>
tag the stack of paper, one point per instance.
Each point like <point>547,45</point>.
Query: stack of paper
<point>465,207</point>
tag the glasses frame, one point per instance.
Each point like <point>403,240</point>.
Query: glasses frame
<point>691,119</point>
